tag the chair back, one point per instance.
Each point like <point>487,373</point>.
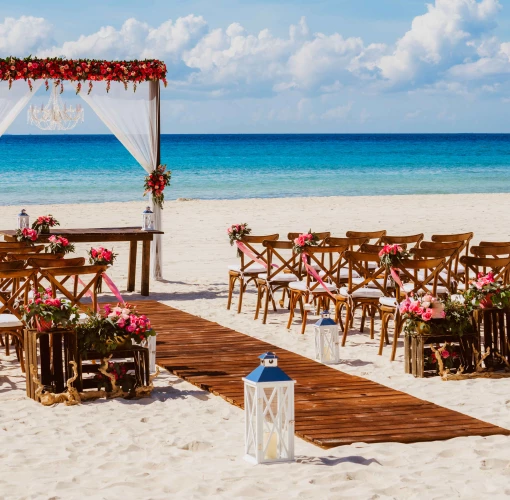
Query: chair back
<point>373,236</point>
<point>353,243</point>
<point>366,265</point>
<point>368,247</point>
<point>465,238</point>
<point>85,283</point>
<point>20,282</point>
<point>255,245</point>
<point>43,263</point>
<point>499,266</point>
<point>327,263</point>
<point>10,245</point>
<point>491,251</point>
<point>12,266</point>
<point>413,240</point>
<point>22,253</point>
<point>489,244</point>
<point>281,258</point>
<point>421,273</point>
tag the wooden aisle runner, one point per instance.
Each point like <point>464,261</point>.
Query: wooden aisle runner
<point>332,407</point>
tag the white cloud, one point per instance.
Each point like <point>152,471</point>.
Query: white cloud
<point>24,36</point>
<point>338,113</point>
<point>413,114</point>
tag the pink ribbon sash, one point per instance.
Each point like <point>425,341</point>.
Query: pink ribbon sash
<point>396,278</point>
<point>251,255</point>
<point>111,285</point>
<point>312,272</point>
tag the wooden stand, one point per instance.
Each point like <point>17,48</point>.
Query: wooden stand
<point>140,363</point>
<point>495,324</point>
<point>415,344</point>
<point>50,353</point>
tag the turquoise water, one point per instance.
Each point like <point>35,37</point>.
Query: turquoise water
<point>97,168</point>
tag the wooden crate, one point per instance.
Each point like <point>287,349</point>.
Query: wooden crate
<point>494,328</point>
<point>50,353</point>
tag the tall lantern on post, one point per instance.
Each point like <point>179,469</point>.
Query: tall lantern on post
<point>148,220</point>
<point>23,219</point>
<point>269,413</point>
<point>326,340</point>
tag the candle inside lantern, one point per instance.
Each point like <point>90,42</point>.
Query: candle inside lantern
<point>272,446</point>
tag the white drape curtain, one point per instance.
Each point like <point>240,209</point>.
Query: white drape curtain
<point>133,117</point>
<point>14,100</point>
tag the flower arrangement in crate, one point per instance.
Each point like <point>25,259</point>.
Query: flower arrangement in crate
<point>305,240</point>
<point>236,232</point>
<point>43,311</point>
<point>59,246</point>
<point>115,327</point>
<point>43,223</point>
<point>26,234</point>
<point>450,357</point>
<point>156,182</point>
<point>485,292</point>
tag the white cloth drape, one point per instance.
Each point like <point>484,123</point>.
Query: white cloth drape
<point>14,100</point>
<point>133,117</point>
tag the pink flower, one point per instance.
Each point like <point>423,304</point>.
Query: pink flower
<point>309,237</point>
<point>445,354</point>
<point>427,315</point>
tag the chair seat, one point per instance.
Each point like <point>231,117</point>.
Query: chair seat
<point>252,269</point>
<point>456,297</point>
<point>301,286</point>
<point>388,301</point>
<point>440,289</point>
<point>281,277</point>
<point>344,274</point>
<point>365,293</point>
<point>10,321</point>
<point>358,281</point>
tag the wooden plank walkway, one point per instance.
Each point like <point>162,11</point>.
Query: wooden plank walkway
<point>332,408</point>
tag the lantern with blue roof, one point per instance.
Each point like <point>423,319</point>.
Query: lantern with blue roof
<point>148,220</point>
<point>23,219</point>
<point>326,340</point>
<point>269,413</point>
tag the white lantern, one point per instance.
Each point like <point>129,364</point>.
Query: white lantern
<point>23,219</point>
<point>269,413</point>
<point>148,220</point>
<point>326,340</point>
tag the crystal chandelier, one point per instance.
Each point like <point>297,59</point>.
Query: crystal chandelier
<point>56,115</point>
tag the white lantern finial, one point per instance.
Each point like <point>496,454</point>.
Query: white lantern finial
<point>148,219</point>
<point>23,219</point>
<point>326,340</point>
<point>269,413</point>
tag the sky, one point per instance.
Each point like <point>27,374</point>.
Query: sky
<point>266,66</point>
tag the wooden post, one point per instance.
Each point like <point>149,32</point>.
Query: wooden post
<point>146,261</point>
<point>132,266</point>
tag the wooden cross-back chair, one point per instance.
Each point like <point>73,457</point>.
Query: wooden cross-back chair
<point>499,266</point>
<point>367,282</point>
<point>445,276</point>
<point>419,275</point>
<point>282,269</point>
<point>326,261</point>
<point>352,244</point>
<point>59,277</point>
<point>21,281</point>
<point>9,246</point>
<point>494,243</point>
<point>44,262</point>
<point>411,241</point>
<point>465,238</point>
<point>248,270</point>
<point>491,250</point>
<point>21,253</point>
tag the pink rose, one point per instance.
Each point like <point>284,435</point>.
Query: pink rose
<point>427,315</point>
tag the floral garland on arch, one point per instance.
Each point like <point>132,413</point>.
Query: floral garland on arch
<point>156,182</point>
<point>80,70</point>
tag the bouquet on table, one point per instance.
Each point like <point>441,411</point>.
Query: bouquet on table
<point>118,326</point>
<point>485,292</point>
<point>44,311</point>
<point>27,234</point>
<point>43,223</point>
<point>59,245</point>
<point>156,182</point>
<point>236,232</point>
<point>305,240</point>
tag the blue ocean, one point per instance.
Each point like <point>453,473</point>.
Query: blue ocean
<point>96,168</point>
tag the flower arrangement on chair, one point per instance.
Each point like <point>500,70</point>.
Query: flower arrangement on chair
<point>304,240</point>
<point>59,245</point>
<point>392,255</point>
<point>44,311</point>
<point>43,223</point>
<point>236,232</point>
<point>156,182</point>
<point>101,256</point>
<point>27,234</point>
<point>118,326</point>
<point>484,292</point>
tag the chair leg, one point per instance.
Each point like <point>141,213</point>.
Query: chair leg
<point>242,287</point>
<point>231,283</point>
<point>260,294</point>
<point>398,327</point>
<point>266,304</point>
<point>373,311</point>
<point>384,331</point>
<point>363,315</point>
<point>303,324</point>
<point>292,305</point>
<point>347,322</point>
<point>7,344</point>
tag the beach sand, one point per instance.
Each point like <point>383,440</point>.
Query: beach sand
<point>186,443</point>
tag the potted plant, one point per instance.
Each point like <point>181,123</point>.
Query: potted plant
<point>43,223</point>
<point>44,311</point>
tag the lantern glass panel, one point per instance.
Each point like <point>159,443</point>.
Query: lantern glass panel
<point>276,421</point>
<point>251,419</point>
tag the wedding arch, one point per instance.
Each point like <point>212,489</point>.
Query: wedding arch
<point>127,100</point>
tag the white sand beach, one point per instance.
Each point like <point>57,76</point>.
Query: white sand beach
<point>186,443</point>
